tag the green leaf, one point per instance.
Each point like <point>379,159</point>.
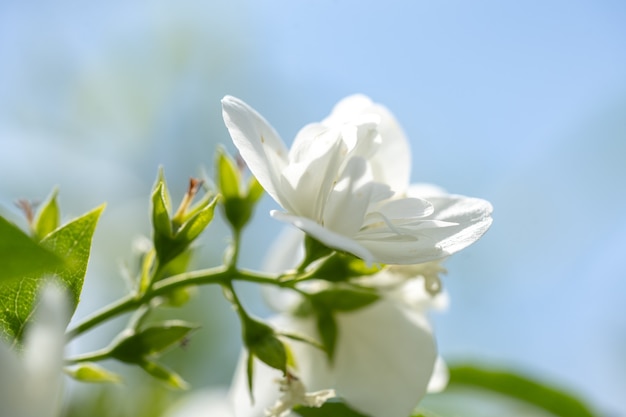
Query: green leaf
<point>48,217</point>
<point>160,372</point>
<point>521,388</point>
<point>90,372</point>
<point>153,340</point>
<point>329,409</point>
<point>21,256</point>
<point>72,243</point>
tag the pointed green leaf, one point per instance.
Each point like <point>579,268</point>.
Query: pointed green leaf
<point>160,372</point>
<point>521,388</point>
<point>72,241</point>
<point>21,256</point>
<point>48,217</point>
<point>90,372</point>
<point>153,340</point>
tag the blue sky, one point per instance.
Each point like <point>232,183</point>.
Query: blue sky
<point>521,103</point>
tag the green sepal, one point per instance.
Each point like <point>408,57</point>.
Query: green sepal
<point>328,409</point>
<point>164,374</point>
<point>313,250</point>
<point>135,346</point>
<point>238,203</point>
<point>255,190</point>
<point>161,222</point>
<point>327,328</point>
<point>262,342</point>
<point>48,216</point>
<point>21,256</point>
<point>250,375</point>
<point>171,238</point>
<point>228,176</point>
<point>342,266</point>
<point>91,372</point>
<point>343,298</point>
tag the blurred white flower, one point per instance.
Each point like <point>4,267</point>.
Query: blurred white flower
<point>344,182</point>
<point>293,393</point>
<point>385,355</point>
<point>30,383</point>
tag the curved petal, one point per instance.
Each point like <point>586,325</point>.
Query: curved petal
<point>326,236</point>
<point>392,163</point>
<point>440,377</point>
<point>259,144</point>
<point>384,359</point>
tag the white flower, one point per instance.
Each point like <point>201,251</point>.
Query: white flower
<point>294,393</point>
<point>30,383</point>
<point>344,182</point>
<point>384,359</point>
<point>385,355</point>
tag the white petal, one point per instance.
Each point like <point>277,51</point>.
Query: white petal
<point>349,199</point>
<point>440,377</point>
<point>257,141</point>
<point>384,359</point>
<point>392,163</point>
<point>43,351</point>
<point>327,237</point>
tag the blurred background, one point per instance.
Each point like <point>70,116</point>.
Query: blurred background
<point>520,103</point>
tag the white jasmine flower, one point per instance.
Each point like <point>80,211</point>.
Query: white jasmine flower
<point>383,363</point>
<point>30,383</point>
<point>344,182</point>
<point>294,393</point>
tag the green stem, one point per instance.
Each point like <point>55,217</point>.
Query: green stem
<point>96,356</point>
<point>209,276</point>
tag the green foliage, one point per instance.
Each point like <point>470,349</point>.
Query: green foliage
<point>72,243</point>
<point>262,342</point>
<point>164,374</point>
<point>21,256</point>
<point>173,235</point>
<point>329,409</point>
<point>327,328</point>
<point>342,267</point>
<point>521,388</point>
<point>90,372</point>
<point>48,217</point>
<point>238,202</point>
<point>135,346</point>
<point>343,298</point>
<point>337,298</point>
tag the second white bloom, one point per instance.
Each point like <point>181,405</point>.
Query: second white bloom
<point>344,182</point>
